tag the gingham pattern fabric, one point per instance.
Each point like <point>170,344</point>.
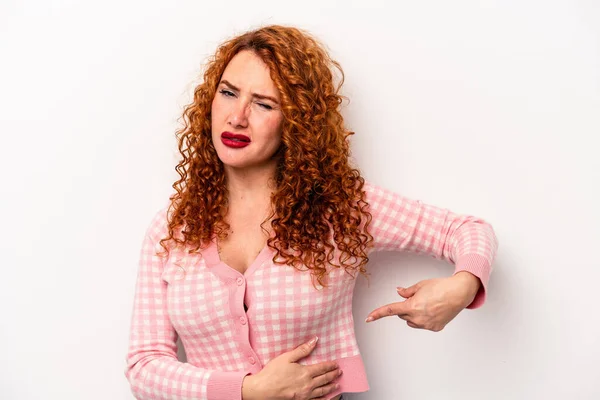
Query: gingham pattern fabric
<point>403,224</point>
<point>201,300</point>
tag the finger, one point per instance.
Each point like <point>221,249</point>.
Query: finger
<point>401,309</point>
<point>322,391</point>
<point>413,325</point>
<point>327,378</point>
<point>409,291</point>
<point>301,351</point>
<point>321,368</point>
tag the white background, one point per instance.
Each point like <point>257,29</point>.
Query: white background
<point>488,108</point>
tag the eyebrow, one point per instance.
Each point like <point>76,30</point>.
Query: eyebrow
<point>256,95</point>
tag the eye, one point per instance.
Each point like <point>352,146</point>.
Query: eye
<point>265,106</point>
<point>226,93</point>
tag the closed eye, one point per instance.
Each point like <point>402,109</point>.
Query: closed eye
<point>229,93</point>
<point>265,106</point>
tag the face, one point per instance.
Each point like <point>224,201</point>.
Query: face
<point>246,114</point>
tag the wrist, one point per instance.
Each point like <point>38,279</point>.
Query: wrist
<point>250,388</point>
<point>470,284</point>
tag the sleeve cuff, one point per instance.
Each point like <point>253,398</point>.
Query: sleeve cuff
<point>225,385</point>
<point>478,266</point>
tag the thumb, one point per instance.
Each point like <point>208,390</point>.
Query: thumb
<point>409,291</point>
<point>303,350</point>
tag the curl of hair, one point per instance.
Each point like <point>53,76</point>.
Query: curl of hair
<point>320,214</point>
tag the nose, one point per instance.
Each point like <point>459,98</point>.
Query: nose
<point>238,118</point>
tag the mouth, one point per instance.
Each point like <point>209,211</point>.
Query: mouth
<point>234,140</point>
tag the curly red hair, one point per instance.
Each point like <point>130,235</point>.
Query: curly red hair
<point>320,213</point>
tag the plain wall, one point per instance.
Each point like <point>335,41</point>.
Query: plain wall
<point>488,108</point>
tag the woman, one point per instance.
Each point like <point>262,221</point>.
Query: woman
<point>258,250</point>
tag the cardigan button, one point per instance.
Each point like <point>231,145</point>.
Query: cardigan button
<point>242,320</point>
<point>240,281</point>
<point>252,360</point>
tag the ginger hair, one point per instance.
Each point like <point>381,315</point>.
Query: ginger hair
<point>320,214</point>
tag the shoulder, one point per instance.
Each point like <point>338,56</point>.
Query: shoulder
<point>158,227</point>
<point>375,193</point>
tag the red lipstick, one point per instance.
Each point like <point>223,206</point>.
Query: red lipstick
<point>234,140</point>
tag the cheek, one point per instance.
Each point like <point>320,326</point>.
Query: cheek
<point>218,109</point>
<point>213,113</point>
<point>214,109</point>
<point>274,125</point>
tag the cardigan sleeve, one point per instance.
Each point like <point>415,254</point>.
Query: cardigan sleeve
<point>403,224</point>
<point>152,368</point>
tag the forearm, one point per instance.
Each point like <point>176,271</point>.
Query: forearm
<point>156,377</point>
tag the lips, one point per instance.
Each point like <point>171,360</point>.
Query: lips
<point>234,140</point>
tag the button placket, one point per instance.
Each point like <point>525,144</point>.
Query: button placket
<point>239,290</point>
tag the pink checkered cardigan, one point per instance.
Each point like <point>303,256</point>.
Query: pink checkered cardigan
<point>201,300</point>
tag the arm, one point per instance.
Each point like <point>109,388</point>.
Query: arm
<point>404,224</point>
<point>152,368</point>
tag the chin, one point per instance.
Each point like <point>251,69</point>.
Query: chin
<point>241,161</point>
<point>243,164</point>
<point>235,165</point>
<point>231,160</point>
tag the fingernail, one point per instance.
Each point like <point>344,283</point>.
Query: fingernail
<point>369,319</point>
<point>399,288</point>
<point>313,340</point>
<point>339,372</point>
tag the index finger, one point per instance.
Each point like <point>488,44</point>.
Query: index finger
<point>400,309</point>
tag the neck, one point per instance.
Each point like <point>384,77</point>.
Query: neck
<point>252,185</point>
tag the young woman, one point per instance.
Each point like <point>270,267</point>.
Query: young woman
<point>253,261</point>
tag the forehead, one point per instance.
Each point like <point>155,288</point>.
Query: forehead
<point>249,73</point>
